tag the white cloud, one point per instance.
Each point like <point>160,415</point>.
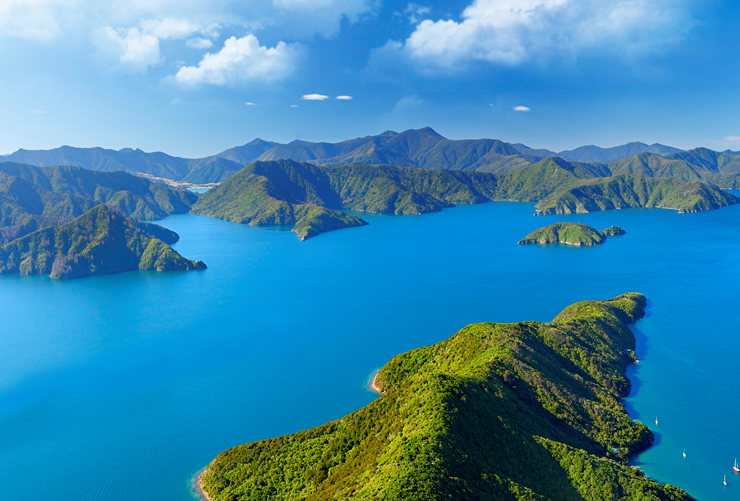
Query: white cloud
<point>732,139</point>
<point>294,106</point>
<point>40,20</point>
<point>199,43</point>
<point>303,18</point>
<point>524,109</point>
<point>515,31</point>
<point>249,103</point>
<point>242,60</point>
<point>314,97</point>
<point>345,98</point>
<point>169,28</point>
<point>131,49</point>
<point>416,12</point>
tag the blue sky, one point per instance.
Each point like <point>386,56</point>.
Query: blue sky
<point>193,77</point>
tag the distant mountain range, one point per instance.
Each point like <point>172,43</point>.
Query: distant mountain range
<point>423,148</point>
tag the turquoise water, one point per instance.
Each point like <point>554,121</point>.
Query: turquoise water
<point>122,387</point>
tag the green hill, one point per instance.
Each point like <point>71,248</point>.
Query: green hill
<point>523,411</point>
<point>32,198</point>
<point>631,191</point>
<point>101,241</point>
<point>285,192</point>
<point>570,234</point>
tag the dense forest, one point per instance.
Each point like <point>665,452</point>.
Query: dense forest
<point>527,410</point>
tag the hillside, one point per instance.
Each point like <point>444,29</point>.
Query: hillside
<point>285,192</point>
<point>32,198</point>
<point>631,191</point>
<point>517,411</point>
<point>101,241</point>
<point>570,234</point>
<point>603,155</point>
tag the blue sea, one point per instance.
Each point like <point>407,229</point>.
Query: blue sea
<point>122,387</point>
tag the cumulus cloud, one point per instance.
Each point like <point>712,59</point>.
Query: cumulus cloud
<point>289,20</point>
<point>314,97</point>
<point>242,60</point>
<point>132,50</point>
<point>524,109</point>
<point>512,32</point>
<point>345,98</point>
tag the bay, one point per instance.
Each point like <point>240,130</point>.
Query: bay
<point>122,387</point>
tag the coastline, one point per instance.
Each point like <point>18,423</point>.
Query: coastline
<point>196,487</point>
<point>374,385</point>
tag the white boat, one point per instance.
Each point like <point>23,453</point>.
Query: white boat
<point>656,419</point>
<point>684,453</point>
<point>724,480</point>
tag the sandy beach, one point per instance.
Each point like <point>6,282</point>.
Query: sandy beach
<point>374,385</point>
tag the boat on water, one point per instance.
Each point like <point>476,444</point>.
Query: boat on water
<point>736,468</point>
<point>656,419</point>
<point>724,480</point>
<point>684,453</point>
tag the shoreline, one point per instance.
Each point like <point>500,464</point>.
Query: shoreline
<point>196,487</point>
<point>374,385</point>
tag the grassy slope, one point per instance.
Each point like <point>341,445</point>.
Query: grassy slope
<point>101,241</point>
<point>498,411</point>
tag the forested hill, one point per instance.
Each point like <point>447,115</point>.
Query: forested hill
<point>101,241</point>
<point>32,198</point>
<point>285,192</point>
<point>518,411</point>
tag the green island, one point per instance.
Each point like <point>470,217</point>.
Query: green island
<point>570,234</point>
<point>101,241</point>
<point>520,411</point>
<point>312,198</point>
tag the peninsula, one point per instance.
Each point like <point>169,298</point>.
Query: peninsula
<point>570,234</point>
<point>527,410</point>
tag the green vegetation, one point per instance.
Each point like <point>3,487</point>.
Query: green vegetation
<point>614,231</point>
<point>570,234</point>
<point>286,192</point>
<point>631,191</point>
<point>32,198</point>
<point>101,241</point>
<point>524,411</point>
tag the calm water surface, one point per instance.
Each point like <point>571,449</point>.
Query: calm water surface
<point>122,387</point>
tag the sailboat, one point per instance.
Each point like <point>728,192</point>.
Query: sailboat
<point>684,453</point>
<point>736,468</point>
<point>656,420</point>
<point>724,481</point>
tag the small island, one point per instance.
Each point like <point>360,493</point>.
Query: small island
<point>570,234</point>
